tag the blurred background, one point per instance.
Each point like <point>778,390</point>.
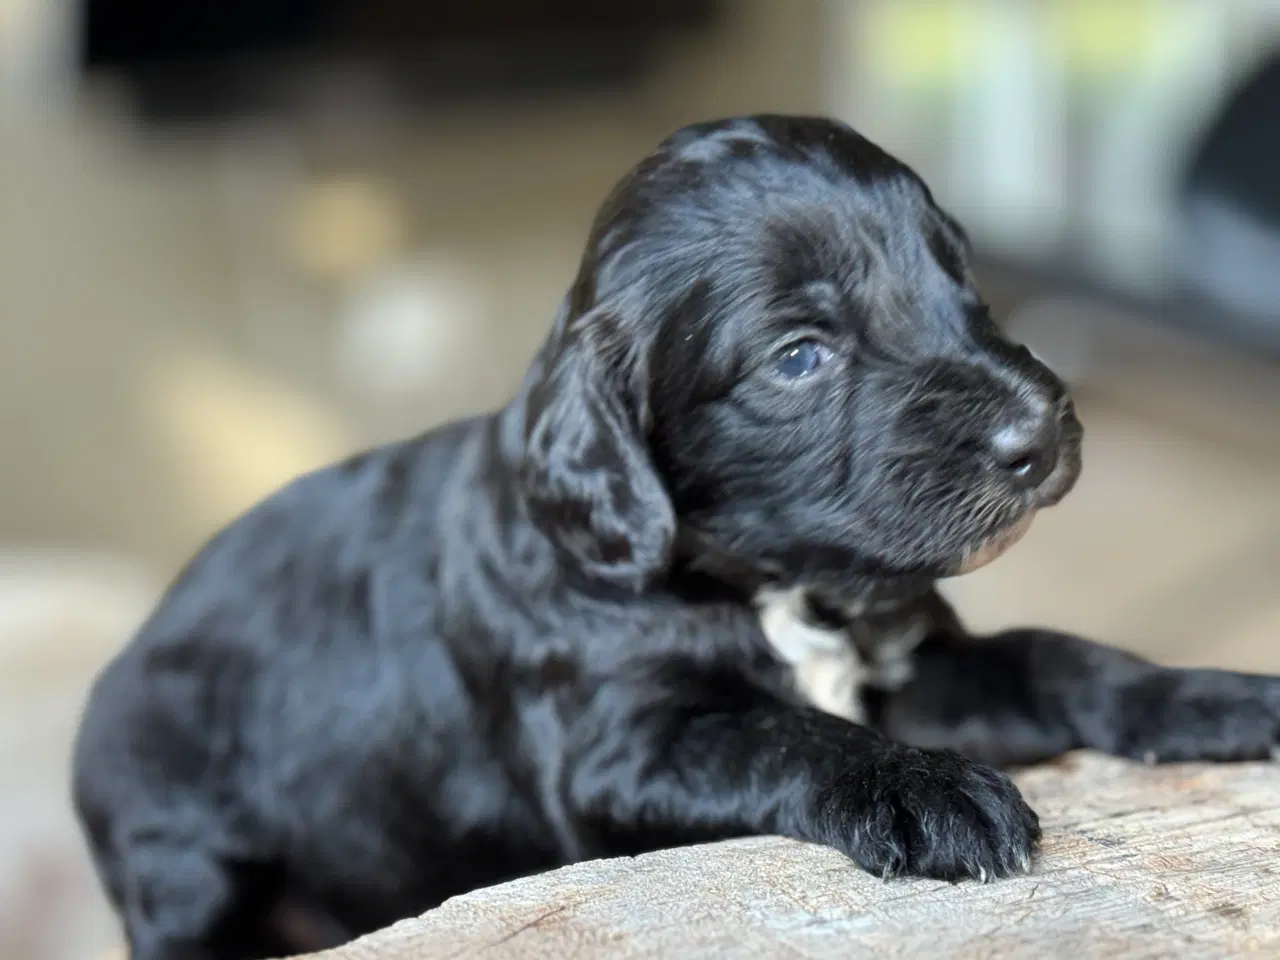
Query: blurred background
<point>241,238</point>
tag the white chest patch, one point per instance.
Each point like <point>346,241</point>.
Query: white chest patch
<point>828,667</point>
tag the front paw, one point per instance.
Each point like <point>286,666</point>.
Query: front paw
<point>909,812</point>
<point>1178,716</point>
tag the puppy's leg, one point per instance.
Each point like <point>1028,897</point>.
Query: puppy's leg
<point>180,901</point>
<point>174,898</point>
<point>662,775</point>
<point>1028,695</point>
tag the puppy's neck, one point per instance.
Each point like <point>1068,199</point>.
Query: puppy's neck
<point>700,553</point>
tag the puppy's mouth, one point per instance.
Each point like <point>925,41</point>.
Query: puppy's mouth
<point>1050,493</point>
<point>1054,489</point>
<point>995,547</point>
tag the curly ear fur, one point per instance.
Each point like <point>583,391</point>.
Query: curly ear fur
<point>588,479</point>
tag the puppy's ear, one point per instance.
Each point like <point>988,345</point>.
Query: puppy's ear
<point>588,479</point>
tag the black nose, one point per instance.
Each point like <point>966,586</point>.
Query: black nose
<point>1025,449</point>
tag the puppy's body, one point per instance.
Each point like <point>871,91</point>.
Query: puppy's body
<point>681,588</point>
<point>345,671</point>
<point>378,674</point>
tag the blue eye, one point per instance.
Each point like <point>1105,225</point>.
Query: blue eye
<point>800,359</point>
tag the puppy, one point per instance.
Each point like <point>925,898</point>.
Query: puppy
<point>680,589</point>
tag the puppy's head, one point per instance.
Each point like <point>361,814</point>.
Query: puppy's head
<point>775,345</point>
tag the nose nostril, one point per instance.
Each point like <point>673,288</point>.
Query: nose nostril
<point>1022,467</point>
<point>1025,455</point>
<point>1028,468</point>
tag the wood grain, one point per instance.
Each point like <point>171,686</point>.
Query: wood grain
<point>1137,862</point>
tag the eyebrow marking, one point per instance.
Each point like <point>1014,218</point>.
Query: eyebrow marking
<point>824,296</point>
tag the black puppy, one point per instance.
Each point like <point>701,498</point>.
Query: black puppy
<point>680,589</point>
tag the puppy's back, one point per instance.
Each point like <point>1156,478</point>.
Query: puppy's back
<point>265,648</point>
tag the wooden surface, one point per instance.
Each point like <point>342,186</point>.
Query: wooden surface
<point>1177,861</point>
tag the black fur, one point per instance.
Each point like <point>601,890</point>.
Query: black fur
<point>529,638</point>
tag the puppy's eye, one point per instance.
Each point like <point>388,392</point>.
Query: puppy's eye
<point>800,359</point>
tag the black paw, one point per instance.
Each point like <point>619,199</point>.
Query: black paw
<point>910,812</point>
<point>1177,716</point>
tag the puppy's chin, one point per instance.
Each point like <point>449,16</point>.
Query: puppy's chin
<point>995,547</point>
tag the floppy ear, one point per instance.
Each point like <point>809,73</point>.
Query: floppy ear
<point>588,479</point>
